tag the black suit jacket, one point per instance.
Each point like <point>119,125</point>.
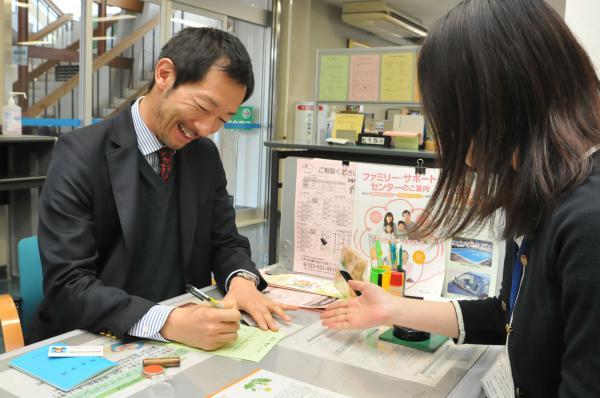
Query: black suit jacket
<point>554,345</point>
<point>87,217</point>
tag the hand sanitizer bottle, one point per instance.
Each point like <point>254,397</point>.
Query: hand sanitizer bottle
<point>11,116</point>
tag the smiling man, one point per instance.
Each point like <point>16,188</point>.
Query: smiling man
<point>135,207</point>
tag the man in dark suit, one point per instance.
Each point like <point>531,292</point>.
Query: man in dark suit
<point>135,207</point>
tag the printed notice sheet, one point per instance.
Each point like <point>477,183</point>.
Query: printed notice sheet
<point>363,349</point>
<point>262,383</point>
<point>498,381</point>
<point>122,381</point>
<point>364,77</point>
<point>397,77</point>
<point>333,78</point>
<point>389,200</point>
<point>323,214</point>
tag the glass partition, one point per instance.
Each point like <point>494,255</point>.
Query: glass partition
<point>126,44</point>
<point>45,64</point>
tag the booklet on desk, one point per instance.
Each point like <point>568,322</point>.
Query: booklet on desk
<point>62,373</point>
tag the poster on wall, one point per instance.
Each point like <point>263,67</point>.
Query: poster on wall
<point>472,265</point>
<point>364,77</point>
<point>323,216</point>
<point>333,78</point>
<point>388,202</point>
<point>397,77</point>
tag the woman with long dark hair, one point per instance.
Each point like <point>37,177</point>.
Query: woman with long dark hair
<point>514,102</point>
<point>389,227</point>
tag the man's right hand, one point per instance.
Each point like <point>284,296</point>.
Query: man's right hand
<point>202,326</point>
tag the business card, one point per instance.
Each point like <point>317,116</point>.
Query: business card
<point>75,351</point>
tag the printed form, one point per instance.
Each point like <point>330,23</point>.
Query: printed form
<point>324,209</point>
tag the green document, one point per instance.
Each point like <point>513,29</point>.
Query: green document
<point>333,78</point>
<point>252,344</point>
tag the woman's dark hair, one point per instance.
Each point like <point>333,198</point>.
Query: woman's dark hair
<point>499,78</point>
<point>195,50</point>
<point>385,221</point>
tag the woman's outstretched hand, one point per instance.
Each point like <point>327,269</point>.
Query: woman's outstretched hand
<point>372,308</point>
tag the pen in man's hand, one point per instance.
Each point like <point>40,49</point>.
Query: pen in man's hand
<point>194,291</point>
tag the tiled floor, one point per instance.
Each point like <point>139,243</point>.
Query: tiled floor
<point>257,234</point>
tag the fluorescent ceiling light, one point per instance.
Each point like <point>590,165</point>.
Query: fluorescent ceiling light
<point>188,23</point>
<point>99,38</point>
<point>34,42</point>
<point>113,18</point>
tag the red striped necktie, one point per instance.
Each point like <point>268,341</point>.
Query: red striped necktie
<point>165,158</point>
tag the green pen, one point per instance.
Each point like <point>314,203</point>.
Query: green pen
<point>379,254</point>
<point>400,253</point>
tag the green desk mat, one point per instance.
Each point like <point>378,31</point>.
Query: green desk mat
<point>430,345</point>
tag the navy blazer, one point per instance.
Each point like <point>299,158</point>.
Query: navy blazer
<point>87,217</point>
<point>554,344</point>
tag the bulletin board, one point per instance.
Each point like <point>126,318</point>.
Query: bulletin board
<point>368,75</point>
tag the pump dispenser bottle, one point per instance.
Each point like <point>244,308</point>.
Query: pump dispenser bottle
<point>11,116</point>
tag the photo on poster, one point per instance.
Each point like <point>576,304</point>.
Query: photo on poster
<point>472,251</point>
<point>467,283</point>
<point>389,201</point>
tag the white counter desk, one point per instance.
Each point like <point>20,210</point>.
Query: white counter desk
<point>215,372</point>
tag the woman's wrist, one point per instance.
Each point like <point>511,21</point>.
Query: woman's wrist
<point>396,310</point>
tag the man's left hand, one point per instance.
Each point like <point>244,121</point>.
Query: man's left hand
<point>244,293</point>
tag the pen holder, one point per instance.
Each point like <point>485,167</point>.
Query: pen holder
<point>356,265</point>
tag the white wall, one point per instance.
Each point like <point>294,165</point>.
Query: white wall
<point>583,18</point>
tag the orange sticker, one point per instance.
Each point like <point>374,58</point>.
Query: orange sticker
<point>419,257</point>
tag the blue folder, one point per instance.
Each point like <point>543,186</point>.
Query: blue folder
<point>63,373</point>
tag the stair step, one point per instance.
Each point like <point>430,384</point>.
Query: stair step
<point>107,111</point>
<point>130,92</point>
<point>141,83</point>
<point>117,102</point>
<point>41,87</point>
<point>148,75</point>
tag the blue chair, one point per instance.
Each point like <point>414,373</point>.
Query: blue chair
<point>30,279</point>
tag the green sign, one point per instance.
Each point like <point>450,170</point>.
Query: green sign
<point>242,116</point>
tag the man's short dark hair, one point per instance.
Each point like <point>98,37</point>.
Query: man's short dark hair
<point>406,212</point>
<point>195,50</point>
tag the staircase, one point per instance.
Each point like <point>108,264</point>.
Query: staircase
<point>117,104</point>
<point>122,67</point>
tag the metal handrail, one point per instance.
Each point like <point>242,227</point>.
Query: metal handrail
<point>46,30</point>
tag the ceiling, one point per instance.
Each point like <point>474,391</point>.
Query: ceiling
<point>428,11</point>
